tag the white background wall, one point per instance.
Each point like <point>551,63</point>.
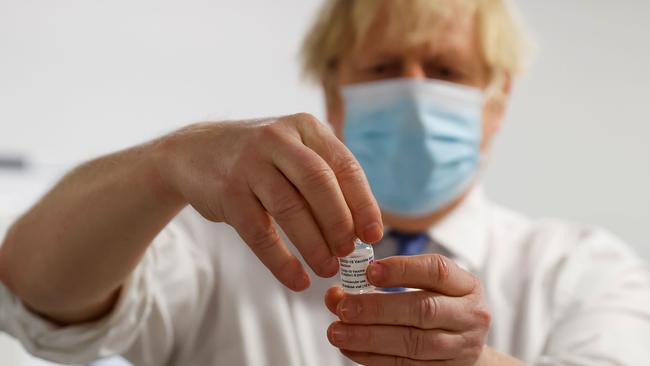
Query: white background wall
<point>79,78</point>
<point>577,140</point>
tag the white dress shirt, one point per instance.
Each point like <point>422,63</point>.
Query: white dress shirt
<point>559,293</point>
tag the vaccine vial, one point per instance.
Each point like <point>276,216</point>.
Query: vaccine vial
<point>353,269</point>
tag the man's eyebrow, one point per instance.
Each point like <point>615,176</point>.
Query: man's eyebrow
<point>450,52</point>
<point>388,55</point>
<point>364,58</point>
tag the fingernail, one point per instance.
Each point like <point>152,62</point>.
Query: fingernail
<point>376,273</point>
<point>373,233</point>
<point>339,335</point>
<point>349,309</point>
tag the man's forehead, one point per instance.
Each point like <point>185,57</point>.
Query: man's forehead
<point>447,34</point>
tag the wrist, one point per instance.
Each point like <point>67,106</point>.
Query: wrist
<point>159,178</point>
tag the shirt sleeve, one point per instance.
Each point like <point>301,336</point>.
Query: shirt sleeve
<point>144,326</point>
<point>603,297</point>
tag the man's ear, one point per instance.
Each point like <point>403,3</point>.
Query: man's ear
<point>498,100</point>
<point>494,109</point>
<point>506,84</point>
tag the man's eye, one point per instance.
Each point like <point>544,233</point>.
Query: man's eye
<point>383,68</point>
<point>443,72</point>
<point>447,72</point>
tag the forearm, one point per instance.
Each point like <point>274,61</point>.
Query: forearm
<point>67,256</point>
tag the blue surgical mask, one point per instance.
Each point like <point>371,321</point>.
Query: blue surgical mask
<point>418,141</point>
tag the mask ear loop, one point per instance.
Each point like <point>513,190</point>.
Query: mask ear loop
<point>494,97</point>
<point>493,93</point>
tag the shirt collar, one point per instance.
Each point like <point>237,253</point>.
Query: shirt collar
<point>464,232</point>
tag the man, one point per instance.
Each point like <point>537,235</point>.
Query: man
<point>114,261</point>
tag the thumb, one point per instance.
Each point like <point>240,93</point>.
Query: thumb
<point>333,297</point>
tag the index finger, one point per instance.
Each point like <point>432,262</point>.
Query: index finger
<point>350,176</point>
<point>419,309</point>
<point>433,272</point>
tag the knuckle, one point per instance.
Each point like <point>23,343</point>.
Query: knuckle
<point>287,206</point>
<point>477,285</point>
<point>473,347</point>
<point>438,267</point>
<point>318,177</point>
<point>262,237</point>
<point>427,309</point>
<point>269,131</point>
<point>349,169</point>
<point>441,343</point>
<point>476,343</point>
<point>341,225</point>
<point>365,207</point>
<point>482,317</point>
<point>413,343</point>
<point>305,118</point>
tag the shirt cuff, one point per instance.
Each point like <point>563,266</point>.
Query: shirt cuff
<point>111,335</point>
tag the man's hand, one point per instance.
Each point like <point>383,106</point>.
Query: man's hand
<point>445,323</point>
<point>100,218</point>
<point>292,169</point>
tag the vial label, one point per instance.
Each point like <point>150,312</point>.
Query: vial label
<point>353,269</point>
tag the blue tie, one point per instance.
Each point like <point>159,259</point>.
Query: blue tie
<point>408,244</point>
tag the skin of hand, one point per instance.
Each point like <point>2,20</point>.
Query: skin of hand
<point>444,322</point>
<point>93,227</point>
<point>292,169</point>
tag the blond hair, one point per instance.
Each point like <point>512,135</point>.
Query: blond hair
<point>342,24</point>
